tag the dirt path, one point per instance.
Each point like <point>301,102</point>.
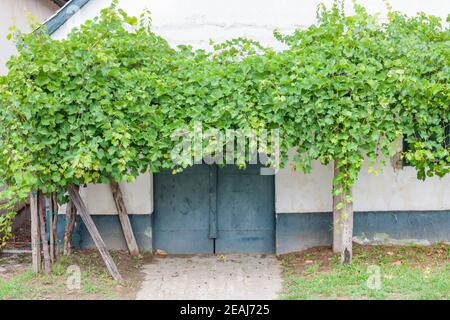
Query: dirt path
<point>234,276</point>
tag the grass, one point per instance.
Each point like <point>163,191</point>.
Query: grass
<point>16,287</point>
<point>96,282</point>
<point>405,272</point>
<point>378,272</point>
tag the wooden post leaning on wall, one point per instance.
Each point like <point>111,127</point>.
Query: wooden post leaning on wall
<point>71,216</point>
<point>93,231</point>
<point>35,233</point>
<point>42,220</point>
<point>124,219</point>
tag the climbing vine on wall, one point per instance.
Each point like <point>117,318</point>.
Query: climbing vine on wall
<point>102,103</point>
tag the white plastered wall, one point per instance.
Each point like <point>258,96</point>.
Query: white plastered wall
<point>391,190</point>
<point>195,22</point>
<point>138,196</point>
<point>17,13</point>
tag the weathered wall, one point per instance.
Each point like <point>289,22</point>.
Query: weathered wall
<point>391,190</point>
<point>111,231</point>
<point>300,231</point>
<point>16,12</point>
<point>138,196</point>
<point>195,22</point>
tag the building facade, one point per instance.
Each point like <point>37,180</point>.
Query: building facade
<point>210,209</point>
<point>18,13</point>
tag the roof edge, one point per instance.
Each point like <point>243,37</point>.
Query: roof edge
<point>62,15</point>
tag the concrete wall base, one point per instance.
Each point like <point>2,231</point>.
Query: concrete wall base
<point>300,231</point>
<point>294,231</point>
<point>111,232</point>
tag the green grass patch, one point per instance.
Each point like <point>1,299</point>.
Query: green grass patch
<point>96,283</point>
<point>16,287</point>
<point>376,273</point>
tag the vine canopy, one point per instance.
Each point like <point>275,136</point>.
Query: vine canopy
<point>103,103</point>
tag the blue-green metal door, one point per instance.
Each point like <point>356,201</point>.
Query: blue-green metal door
<point>245,211</point>
<point>207,209</point>
<point>181,215</point>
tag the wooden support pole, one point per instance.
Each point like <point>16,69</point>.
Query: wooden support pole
<point>71,215</point>
<point>35,236</point>
<point>337,231</point>
<point>50,231</point>
<point>45,248</point>
<point>92,229</point>
<point>342,223</point>
<point>124,219</point>
<point>347,232</point>
<point>54,229</point>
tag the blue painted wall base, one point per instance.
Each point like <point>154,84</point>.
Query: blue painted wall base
<point>300,231</point>
<point>294,231</point>
<point>111,232</point>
